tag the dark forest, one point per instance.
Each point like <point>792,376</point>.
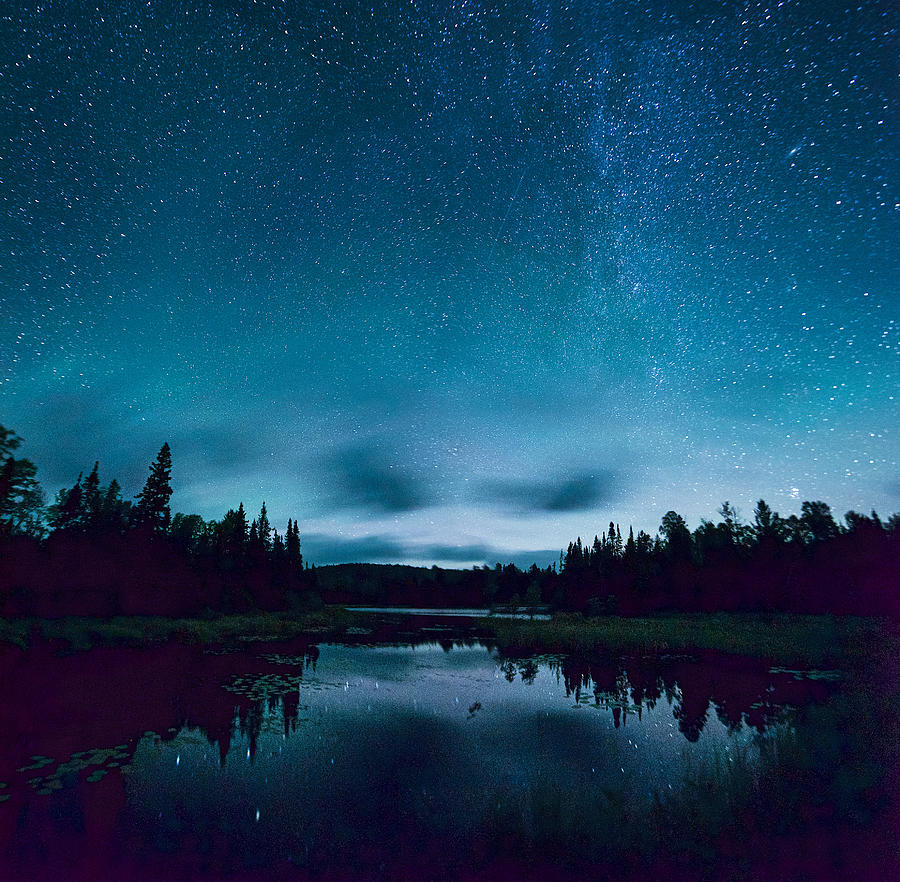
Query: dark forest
<point>93,552</point>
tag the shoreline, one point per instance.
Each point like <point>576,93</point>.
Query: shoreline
<point>780,637</point>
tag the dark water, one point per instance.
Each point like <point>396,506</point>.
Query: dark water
<point>425,759</point>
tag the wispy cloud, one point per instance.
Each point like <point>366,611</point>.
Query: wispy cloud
<point>575,492</point>
<point>366,475</point>
<point>323,549</point>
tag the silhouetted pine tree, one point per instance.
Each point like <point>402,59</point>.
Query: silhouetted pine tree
<point>292,541</point>
<point>615,540</point>
<point>91,499</point>
<point>67,512</point>
<point>767,525</point>
<point>21,498</point>
<point>264,528</point>
<point>114,511</point>
<point>597,553</point>
<point>233,531</point>
<point>278,552</point>
<point>152,507</point>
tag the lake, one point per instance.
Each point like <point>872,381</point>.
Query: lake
<point>425,751</point>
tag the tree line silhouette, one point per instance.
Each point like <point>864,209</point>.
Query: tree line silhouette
<point>93,552</point>
<point>808,563</point>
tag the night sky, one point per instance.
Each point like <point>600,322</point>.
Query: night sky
<point>454,281</point>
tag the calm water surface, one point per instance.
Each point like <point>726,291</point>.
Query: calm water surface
<point>446,758</point>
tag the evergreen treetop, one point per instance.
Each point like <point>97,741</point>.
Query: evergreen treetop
<point>153,501</point>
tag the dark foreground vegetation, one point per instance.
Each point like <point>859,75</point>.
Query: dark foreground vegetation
<point>93,553</point>
<point>786,639</point>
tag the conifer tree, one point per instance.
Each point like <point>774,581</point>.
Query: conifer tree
<point>644,545</point>
<point>240,524</point>
<point>264,529</point>
<point>614,540</point>
<point>91,500</point>
<point>21,498</point>
<point>153,501</point>
<point>292,541</point>
<point>232,534</point>
<point>767,525</point>
<point>67,511</point>
<point>114,509</point>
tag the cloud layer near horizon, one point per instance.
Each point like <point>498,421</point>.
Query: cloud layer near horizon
<point>323,549</point>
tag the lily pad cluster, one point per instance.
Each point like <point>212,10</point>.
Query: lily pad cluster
<point>276,658</point>
<point>260,686</point>
<point>99,760</point>
<point>37,762</point>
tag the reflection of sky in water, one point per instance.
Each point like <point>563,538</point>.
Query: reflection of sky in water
<point>408,736</point>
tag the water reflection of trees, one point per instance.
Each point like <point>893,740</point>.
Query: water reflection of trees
<point>49,706</point>
<point>281,696</point>
<point>740,691</point>
<point>48,703</point>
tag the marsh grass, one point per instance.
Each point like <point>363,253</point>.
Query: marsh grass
<point>631,825</point>
<point>813,641</point>
<point>779,806</point>
<point>789,640</point>
<point>82,633</point>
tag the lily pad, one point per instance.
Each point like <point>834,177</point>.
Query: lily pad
<point>258,686</point>
<point>276,658</point>
<point>39,763</point>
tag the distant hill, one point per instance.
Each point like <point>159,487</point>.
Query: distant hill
<point>369,584</point>
<point>370,580</point>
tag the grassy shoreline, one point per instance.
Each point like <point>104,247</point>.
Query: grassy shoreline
<point>84,632</point>
<point>783,638</point>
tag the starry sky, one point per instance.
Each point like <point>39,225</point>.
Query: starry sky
<point>454,281</point>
